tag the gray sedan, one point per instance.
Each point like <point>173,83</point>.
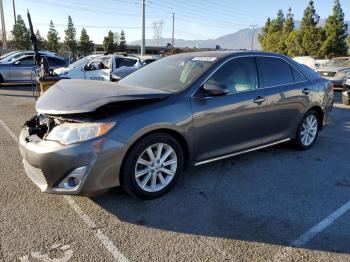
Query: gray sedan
<point>187,109</point>
<point>21,70</point>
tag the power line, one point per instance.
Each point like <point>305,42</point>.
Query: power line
<point>209,13</point>
<point>143,40</point>
<point>197,17</point>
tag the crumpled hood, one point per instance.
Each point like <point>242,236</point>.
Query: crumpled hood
<point>83,96</point>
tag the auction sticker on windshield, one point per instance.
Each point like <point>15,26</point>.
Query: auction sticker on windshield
<point>205,58</point>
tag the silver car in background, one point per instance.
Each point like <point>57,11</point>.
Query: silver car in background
<point>21,69</point>
<point>337,71</point>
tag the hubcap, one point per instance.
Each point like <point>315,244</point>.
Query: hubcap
<point>156,167</point>
<point>309,130</point>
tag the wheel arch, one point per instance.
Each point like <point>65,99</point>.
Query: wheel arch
<point>320,113</point>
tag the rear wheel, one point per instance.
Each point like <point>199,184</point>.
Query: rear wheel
<point>152,166</point>
<point>308,131</point>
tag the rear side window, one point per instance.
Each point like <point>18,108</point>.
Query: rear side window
<point>276,71</point>
<point>238,75</point>
<point>126,62</point>
<point>297,76</point>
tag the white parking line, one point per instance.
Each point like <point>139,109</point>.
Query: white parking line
<point>311,233</point>
<point>107,243</point>
<point>307,236</point>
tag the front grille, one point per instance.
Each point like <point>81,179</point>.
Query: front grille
<point>36,175</point>
<point>327,73</point>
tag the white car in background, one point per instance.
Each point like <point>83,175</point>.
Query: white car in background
<point>97,68</point>
<point>76,69</point>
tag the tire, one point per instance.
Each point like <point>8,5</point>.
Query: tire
<point>306,141</point>
<point>145,178</point>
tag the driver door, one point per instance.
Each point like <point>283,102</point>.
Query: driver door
<point>232,122</point>
<point>99,69</point>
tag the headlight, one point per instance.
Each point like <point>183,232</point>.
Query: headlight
<point>69,133</point>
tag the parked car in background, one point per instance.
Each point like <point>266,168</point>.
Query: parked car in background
<point>124,71</point>
<point>17,55</point>
<point>100,68</point>
<point>21,69</point>
<point>337,71</point>
<point>194,108</point>
<point>307,60</point>
<point>75,69</point>
<point>7,54</point>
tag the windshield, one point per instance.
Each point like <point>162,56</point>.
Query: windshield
<point>171,74</point>
<point>82,62</point>
<point>338,63</point>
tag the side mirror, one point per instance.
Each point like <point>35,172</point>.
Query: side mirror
<point>86,67</point>
<point>215,89</point>
<point>17,62</point>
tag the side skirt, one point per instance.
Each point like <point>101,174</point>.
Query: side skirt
<point>240,152</point>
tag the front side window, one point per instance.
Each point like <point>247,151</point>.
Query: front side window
<point>28,61</point>
<point>276,71</point>
<point>237,75</point>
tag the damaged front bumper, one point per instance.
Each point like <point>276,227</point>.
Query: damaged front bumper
<point>81,169</point>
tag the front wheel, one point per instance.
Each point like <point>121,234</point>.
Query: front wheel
<point>307,131</point>
<point>152,166</point>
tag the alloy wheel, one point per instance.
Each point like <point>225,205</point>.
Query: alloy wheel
<point>156,167</point>
<point>309,130</point>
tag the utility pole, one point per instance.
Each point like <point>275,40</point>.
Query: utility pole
<point>3,29</point>
<point>143,41</point>
<point>252,45</point>
<point>173,35</point>
<point>14,10</point>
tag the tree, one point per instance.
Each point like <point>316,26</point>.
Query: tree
<point>335,33</point>
<point>293,44</point>
<point>108,43</point>
<point>69,39</point>
<point>41,40</point>
<point>20,33</point>
<point>288,28</point>
<point>311,36</point>
<point>270,38</point>
<point>122,43</point>
<point>349,41</point>
<point>86,45</point>
<point>52,38</point>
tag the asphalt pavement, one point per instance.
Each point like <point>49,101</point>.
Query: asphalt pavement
<point>276,204</point>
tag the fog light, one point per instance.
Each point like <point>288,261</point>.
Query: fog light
<point>73,179</point>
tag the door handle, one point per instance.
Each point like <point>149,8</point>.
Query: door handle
<point>306,91</point>
<point>259,100</point>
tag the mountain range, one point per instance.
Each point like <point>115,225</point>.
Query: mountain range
<point>238,40</point>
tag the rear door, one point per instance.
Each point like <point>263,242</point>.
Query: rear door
<point>287,96</point>
<point>233,122</point>
<point>22,70</point>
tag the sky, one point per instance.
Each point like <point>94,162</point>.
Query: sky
<point>194,19</point>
